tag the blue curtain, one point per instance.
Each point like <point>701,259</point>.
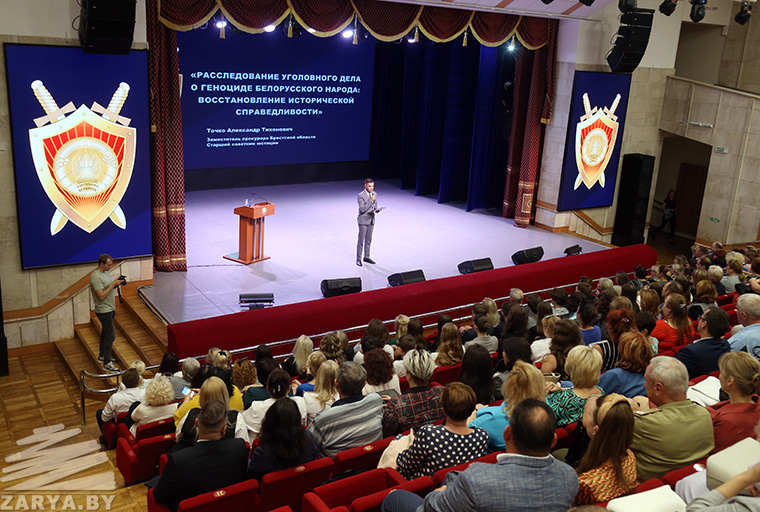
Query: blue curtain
<point>441,119</point>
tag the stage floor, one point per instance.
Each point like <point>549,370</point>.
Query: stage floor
<point>312,236</point>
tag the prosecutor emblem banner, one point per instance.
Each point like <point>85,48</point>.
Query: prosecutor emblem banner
<point>594,135</point>
<point>82,169</point>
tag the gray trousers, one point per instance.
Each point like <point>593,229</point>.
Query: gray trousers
<point>365,240</point>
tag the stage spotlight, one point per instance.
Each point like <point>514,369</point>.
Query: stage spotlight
<point>269,28</point>
<point>574,250</point>
<point>547,2</point>
<point>511,46</point>
<point>697,13</point>
<point>310,30</point>
<point>221,24</point>
<point>744,14</point>
<point>348,33</point>
<point>587,3</point>
<point>626,5</point>
<point>667,7</point>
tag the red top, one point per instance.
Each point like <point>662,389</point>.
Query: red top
<point>668,336</point>
<point>733,422</point>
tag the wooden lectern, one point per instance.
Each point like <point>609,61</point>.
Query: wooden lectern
<point>251,233</point>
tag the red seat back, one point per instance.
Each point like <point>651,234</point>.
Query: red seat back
<point>440,475</point>
<point>445,374</point>
<point>156,428</point>
<point>361,458</point>
<point>286,487</point>
<point>373,502</point>
<point>345,491</point>
<point>140,461</point>
<point>239,496</point>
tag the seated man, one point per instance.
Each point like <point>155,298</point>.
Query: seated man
<point>418,405</point>
<point>526,477</point>
<point>121,400</point>
<point>702,356</point>
<point>353,420</point>
<point>748,314</point>
<point>213,463</point>
<point>675,434</point>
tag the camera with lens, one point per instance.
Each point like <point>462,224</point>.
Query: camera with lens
<point>122,278</point>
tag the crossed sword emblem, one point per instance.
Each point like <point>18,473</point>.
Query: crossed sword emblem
<point>610,113</point>
<point>55,114</point>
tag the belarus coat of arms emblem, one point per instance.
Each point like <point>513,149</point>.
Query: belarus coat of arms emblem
<point>83,160</point>
<point>595,136</point>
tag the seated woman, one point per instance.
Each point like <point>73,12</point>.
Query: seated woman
<point>583,366</point>
<point>450,351</point>
<point>440,446</point>
<point>156,405</point>
<point>477,372</point>
<point>627,378</point>
<point>618,322</point>
<point>325,391</point>
<point>525,381</point>
<point>587,316</point>
<point>258,392</point>
<point>482,326</point>
<point>380,374</point>
<point>212,389</point>
<point>313,362</point>
<point>512,351</point>
<point>608,469</point>
<point>704,300</point>
<point>283,441</point>
<point>567,335</point>
<point>540,347</point>
<point>244,374</point>
<point>295,365</point>
<point>675,328</point>
<point>516,324</point>
<point>735,418</point>
<point>278,386</point>
<point>649,302</point>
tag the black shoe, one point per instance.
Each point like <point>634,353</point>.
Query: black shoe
<point>358,262</point>
<point>369,260</point>
<point>103,360</point>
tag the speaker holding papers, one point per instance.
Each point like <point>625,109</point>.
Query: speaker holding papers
<point>344,286</point>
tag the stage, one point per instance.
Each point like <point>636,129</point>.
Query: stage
<point>312,236</point>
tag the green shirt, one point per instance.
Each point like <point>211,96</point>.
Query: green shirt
<point>101,281</point>
<point>670,437</point>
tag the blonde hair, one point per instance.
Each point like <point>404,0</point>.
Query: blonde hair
<point>211,356</point>
<point>524,381</point>
<point>222,360</point>
<point>324,382</point>
<point>745,370</point>
<point>492,311</point>
<point>584,366</point>
<point>650,302</point>
<point>450,351</point>
<point>302,350</point>
<point>159,391</point>
<point>140,367</point>
<point>314,361</point>
<point>548,323</point>
<point>212,389</point>
<point>402,325</point>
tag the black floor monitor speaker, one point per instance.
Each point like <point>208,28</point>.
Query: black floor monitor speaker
<point>633,199</point>
<point>470,266</point>
<point>631,40</point>
<point>528,255</point>
<point>413,276</point>
<point>334,287</point>
<point>107,26</point>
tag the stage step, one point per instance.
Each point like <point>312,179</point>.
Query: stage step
<point>75,358</point>
<point>89,341</point>
<point>122,349</point>
<point>138,338</point>
<point>149,322</point>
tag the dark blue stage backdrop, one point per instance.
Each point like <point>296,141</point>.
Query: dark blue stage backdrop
<point>265,99</point>
<point>594,136</point>
<point>80,145</point>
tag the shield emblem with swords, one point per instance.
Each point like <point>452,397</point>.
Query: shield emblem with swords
<point>83,160</point>
<point>595,136</point>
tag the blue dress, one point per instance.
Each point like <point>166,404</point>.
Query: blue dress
<point>592,335</point>
<point>493,420</point>
<point>621,381</point>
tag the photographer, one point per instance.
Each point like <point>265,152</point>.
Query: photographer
<point>103,286</point>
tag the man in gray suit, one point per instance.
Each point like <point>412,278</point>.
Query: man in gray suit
<point>525,478</point>
<point>367,205</point>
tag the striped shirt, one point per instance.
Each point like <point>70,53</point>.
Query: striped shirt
<point>350,422</point>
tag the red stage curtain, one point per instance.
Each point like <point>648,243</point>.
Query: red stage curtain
<point>534,89</point>
<point>533,33</point>
<point>387,21</point>
<point>327,17</point>
<point>183,15</point>
<point>166,159</point>
<point>253,15</point>
<point>441,24</point>
<point>493,29</point>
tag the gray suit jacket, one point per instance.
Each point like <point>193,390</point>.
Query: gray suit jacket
<point>515,484</point>
<point>367,209</point>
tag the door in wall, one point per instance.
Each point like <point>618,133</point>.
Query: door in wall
<point>689,194</point>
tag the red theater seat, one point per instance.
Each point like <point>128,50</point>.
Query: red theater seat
<point>152,429</point>
<point>445,374</point>
<point>362,458</point>
<point>677,474</point>
<point>440,475</point>
<point>139,462</point>
<point>238,497</point>
<point>363,492</point>
<point>286,487</point>
<point>109,430</point>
